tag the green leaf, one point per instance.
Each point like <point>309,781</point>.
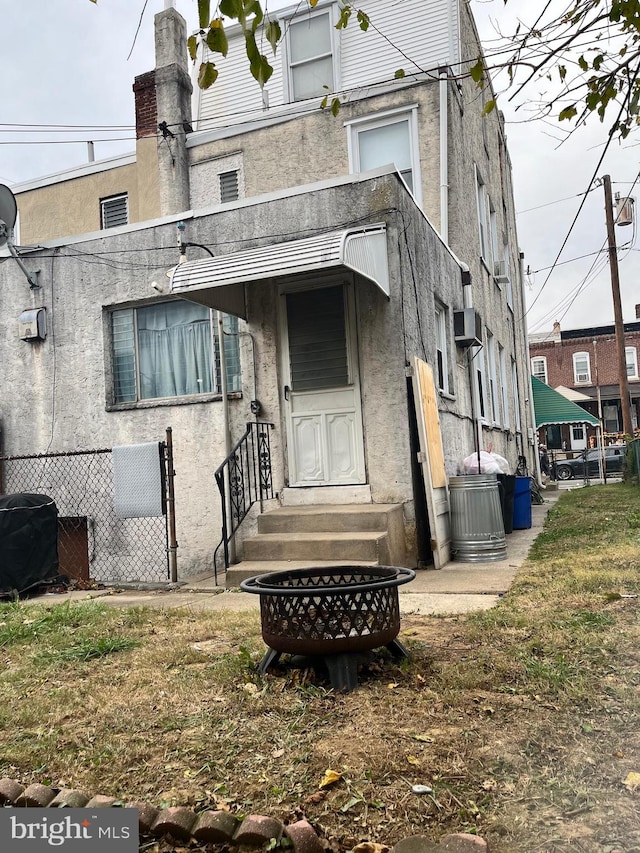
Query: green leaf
<point>477,72</point>
<point>216,38</point>
<point>259,66</point>
<point>273,34</point>
<point>231,8</point>
<point>343,20</point>
<point>399,74</point>
<point>567,113</point>
<point>204,13</point>
<point>363,20</point>
<point>335,106</point>
<point>192,45</point>
<point>207,75</point>
<point>489,107</point>
<point>582,62</point>
<point>562,71</point>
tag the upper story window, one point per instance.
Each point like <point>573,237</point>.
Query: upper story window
<point>114,211</point>
<point>631,358</point>
<point>390,137</point>
<point>581,367</point>
<point>310,49</point>
<point>442,350</point>
<point>539,368</point>
<point>493,379</point>
<point>504,388</point>
<point>483,217</point>
<point>165,350</point>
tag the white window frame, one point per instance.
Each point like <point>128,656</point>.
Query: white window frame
<point>581,377</point>
<point>482,198</point>
<point>407,114</point>
<point>631,360</point>
<point>540,361</point>
<point>493,234</point>
<point>334,35</point>
<point>502,367</point>
<point>104,202</point>
<point>493,378</point>
<point>480,374</point>
<point>232,353</point>
<point>443,381</point>
<point>516,396</point>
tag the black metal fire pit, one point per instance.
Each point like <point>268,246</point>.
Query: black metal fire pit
<point>334,613</point>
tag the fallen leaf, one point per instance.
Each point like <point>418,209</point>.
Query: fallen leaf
<point>632,781</point>
<point>316,798</point>
<point>354,801</point>
<point>330,778</point>
<point>423,738</point>
<point>278,753</point>
<point>393,685</point>
<point>413,760</point>
<point>370,847</point>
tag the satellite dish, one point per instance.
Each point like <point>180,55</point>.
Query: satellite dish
<point>8,213</point>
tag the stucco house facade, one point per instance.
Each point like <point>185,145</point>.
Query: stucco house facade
<point>340,248</point>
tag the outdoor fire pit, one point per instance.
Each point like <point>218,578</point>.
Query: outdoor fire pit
<point>332,613</point>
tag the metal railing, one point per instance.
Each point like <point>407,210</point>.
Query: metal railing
<point>243,479</point>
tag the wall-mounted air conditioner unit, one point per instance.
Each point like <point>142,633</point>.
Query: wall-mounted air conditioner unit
<point>32,324</point>
<point>501,272</point>
<point>467,328</point>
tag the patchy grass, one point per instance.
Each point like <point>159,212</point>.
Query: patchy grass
<point>524,720</point>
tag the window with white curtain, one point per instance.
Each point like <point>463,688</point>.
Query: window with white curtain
<point>390,137</point>
<point>310,56</point>
<point>165,350</point>
<point>581,367</point>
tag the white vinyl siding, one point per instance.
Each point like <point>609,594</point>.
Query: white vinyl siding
<point>427,33</point>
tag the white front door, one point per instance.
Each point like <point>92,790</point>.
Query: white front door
<point>322,391</point>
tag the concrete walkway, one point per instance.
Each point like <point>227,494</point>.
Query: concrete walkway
<point>458,588</point>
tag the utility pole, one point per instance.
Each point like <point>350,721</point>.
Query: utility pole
<point>625,403</point>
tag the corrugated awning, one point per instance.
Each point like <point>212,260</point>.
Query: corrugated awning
<point>550,407</point>
<point>219,282</point>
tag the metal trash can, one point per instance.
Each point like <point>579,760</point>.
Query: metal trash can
<point>477,527</point>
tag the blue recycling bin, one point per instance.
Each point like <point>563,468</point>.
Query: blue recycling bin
<point>522,504</point>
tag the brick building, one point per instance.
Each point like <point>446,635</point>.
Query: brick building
<point>583,365</point>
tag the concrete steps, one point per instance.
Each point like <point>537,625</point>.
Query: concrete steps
<point>304,536</point>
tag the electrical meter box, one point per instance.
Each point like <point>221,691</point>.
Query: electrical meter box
<point>32,324</point>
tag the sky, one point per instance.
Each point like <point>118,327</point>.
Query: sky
<point>72,62</point>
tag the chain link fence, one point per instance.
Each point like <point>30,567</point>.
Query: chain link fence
<point>93,543</point>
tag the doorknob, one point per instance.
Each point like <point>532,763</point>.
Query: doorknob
<point>287,391</point>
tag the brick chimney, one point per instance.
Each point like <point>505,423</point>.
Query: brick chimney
<point>144,89</point>
<point>637,312</point>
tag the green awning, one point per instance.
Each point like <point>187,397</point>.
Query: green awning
<point>552,408</point>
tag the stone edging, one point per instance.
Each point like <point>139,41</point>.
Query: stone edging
<point>220,827</point>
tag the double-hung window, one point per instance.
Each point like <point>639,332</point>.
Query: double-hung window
<point>493,381</point>
<point>539,368</point>
<point>442,351</point>
<point>502,367</point>
<point>483,217</point>
<point>481,381</point>
<point>165,350</point>
<point>310,49</point>
<point>114,211</point>
<point>389,137</point>
<point>631,358</point>
<point>581,367</point>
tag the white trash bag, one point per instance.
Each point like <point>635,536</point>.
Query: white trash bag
<point>490,463</point>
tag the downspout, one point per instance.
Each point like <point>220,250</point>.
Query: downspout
<point>444,154</point>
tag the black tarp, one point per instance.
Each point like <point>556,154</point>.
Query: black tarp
<point>28,541</point>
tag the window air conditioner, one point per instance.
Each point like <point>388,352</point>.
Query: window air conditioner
<point>501,272</point>
<point>467,328</point>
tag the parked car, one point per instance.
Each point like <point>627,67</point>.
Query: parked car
<point>614,457</point>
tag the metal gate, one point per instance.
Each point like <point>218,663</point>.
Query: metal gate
<point>94,544</point>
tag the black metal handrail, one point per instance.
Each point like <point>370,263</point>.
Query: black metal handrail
<point>243,478</point>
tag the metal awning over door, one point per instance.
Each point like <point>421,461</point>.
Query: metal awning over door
<point>552,408</point>
<point>219,282</point>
